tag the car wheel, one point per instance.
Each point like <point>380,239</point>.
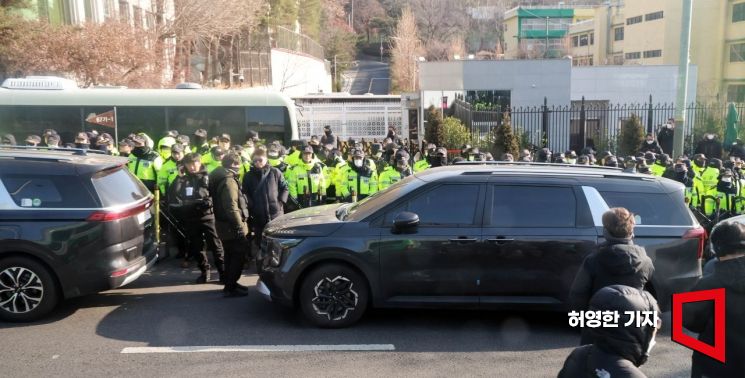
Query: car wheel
<point>27,290</point>
<point>333,296</point>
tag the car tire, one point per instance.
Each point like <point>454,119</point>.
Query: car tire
<point>27,290</point>
<point>333,296</point>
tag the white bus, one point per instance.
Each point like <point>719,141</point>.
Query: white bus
<point>33,104</point>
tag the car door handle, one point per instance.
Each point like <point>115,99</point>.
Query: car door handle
<point>464,239</point>
<point>500,240</point>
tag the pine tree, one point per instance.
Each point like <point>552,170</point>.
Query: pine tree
<point>631,136</point>
<point>434,132</point>
<point>505,141</point>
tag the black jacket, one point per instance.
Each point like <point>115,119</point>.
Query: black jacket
<point>265,200</point>
<point>737,150</point>
<point>328,139</point>
<point>189,197</point>
<point>710,148</point>
<point>620,350</point>
<point>650,147</point>
<point>231,207</point>
<point>616,262</point>
<point>699,317</point>
<point>665,137</point>
<point>589,361</point>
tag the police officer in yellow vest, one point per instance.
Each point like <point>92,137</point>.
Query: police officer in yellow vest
<point>424,160</point>
<point>307,180</point>
<point>274,158</point>
<point>164,146</point>
<point>393,175</point>
<point>705,185</point>
<point>144,162</point>
<point>170,169</point>
<point>215,158</point>
<point>358,179</point>
<point>201,143</point>
<point>724,195</point>
<point>660,165</point>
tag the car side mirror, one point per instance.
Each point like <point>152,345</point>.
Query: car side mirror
<point>405,221</point>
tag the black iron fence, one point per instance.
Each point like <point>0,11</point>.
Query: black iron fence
<point>589,123</point>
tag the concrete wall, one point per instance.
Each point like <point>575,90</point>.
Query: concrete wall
<point>528,80</point>
<point>630,84</point>
<point>297,75</point>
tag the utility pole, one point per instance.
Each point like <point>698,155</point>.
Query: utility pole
<point>682,90</point>
<point>351,17</point>
<point>545,52</point>
<point>336,77</point>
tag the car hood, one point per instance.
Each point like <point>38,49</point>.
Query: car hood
<point>313,221</point>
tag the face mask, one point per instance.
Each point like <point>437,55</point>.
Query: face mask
<point>327,132</point>
<point>650,141</point>
<point>572,161</point>
<point>709,137</point>
<point>358,163</point>
<point>668,126</point>
<point>727,180</point>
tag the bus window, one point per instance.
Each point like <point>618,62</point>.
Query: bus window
<point>216,120</point>
<point>148,119</point>
<point>271,122</point>
<point>22,121</point>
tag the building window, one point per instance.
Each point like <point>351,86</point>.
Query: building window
<point>737,52</point>
<point>633,20</point>
<point>583,40</point>
<point>633,55</point>
<point>653,16</point>
<point>653,53</point>
<point>618,59</point>
<point>738,12</point>
<point>124,11</point>
<point>575,41</point>
<point>618,34</point>
<point>592,39</point>
<point>736,93</point>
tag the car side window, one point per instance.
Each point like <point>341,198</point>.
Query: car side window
<point>450,204</point>
<point>29,191</point>
<point>533,206</point>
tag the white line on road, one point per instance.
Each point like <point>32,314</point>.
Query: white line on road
<point>260,348</point>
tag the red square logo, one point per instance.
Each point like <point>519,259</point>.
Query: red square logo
<point>715,351</point>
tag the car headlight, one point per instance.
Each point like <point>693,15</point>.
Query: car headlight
<point>279,247</point>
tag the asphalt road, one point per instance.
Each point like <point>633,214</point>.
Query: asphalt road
<point>86,337</point>
<point>369,76</point>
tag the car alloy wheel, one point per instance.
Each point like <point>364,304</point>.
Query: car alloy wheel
<point>335,297</point>
<point>21,290</point>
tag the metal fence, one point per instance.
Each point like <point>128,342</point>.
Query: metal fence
<point>587,123</point>
<point>359,120</point>
<point>284,38</point>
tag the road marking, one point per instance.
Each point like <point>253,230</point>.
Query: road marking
<point>260,348</point>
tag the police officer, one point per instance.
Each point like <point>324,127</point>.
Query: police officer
<point>393,175</point>
<point>629,164</point>
<point>440,158</point>
<point>424,160</point>
<point>358,179</point>
<point>214,158</point>
<point>164,146</point>
<point>307,181</point>
<point>571,157</point>
<point>189,199</point>
<point>660,165</point>
<point>705,184</point>
<point>170,169</point>
<point>335,164</point>
<point>231,219</point>
<point>201,144</point>
<point>294,158</point>
<point>275,159</point>
<point>376,155</point>
<point>125,147</point>
<point>144,163</point>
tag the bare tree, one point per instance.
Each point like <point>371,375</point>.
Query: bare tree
<point>365,11</point>
<point>406,49</point>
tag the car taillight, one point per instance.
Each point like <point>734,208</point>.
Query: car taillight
<point>700,234</point>
<point>108,216</point>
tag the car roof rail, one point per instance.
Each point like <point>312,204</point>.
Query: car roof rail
<point>534,164</point>
<point>72,151</point>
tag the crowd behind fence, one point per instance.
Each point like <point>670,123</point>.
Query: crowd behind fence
<point>589,123</point>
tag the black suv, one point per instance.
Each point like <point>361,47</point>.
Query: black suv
<point>472,236</point>
<point>71,223</point>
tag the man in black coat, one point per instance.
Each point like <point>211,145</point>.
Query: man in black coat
<point>665,136</point>
<point>617,261</point>
<point>737,149</point>
<point>650,145</point>
<point>710,146</point>
<point>728,242</point>
<point>616,351</point>
<point>266,191</point>
<point>328,137</point>
<point>190,201</point>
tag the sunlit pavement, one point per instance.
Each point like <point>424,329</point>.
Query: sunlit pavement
<point>163,312</point>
